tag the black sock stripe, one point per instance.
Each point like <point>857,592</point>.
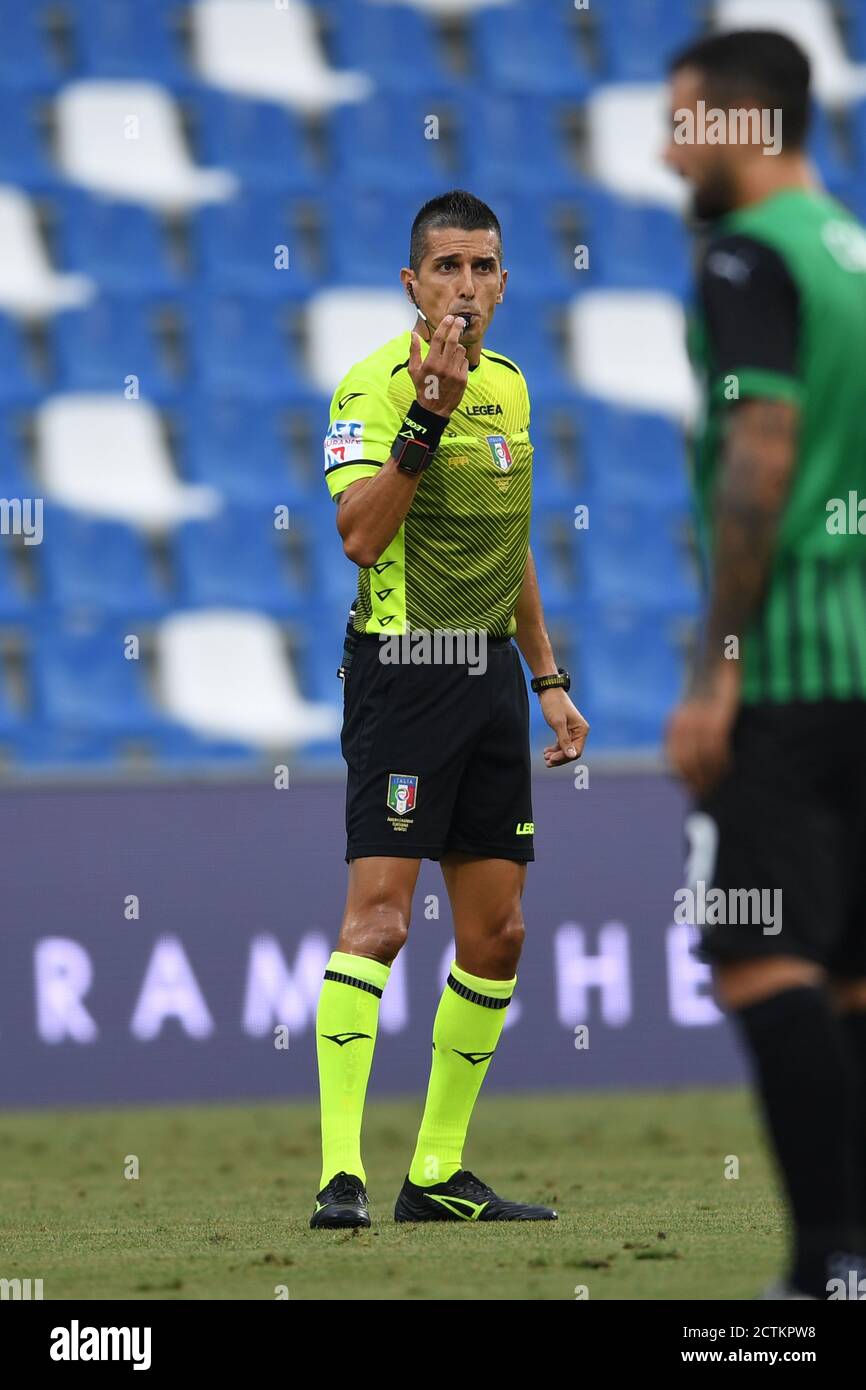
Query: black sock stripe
<point>351,980</point>
<point>486,1000</point>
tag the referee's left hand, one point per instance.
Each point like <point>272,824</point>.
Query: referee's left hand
<point>567,723</point>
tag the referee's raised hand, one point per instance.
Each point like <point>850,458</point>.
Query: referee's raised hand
<point>440,377</point>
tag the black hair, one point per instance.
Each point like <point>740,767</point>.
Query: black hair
<point>757,63</point>
<point>454,209</point>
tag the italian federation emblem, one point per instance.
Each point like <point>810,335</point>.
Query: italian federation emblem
<point>500,451</point>
<point>402,792</point>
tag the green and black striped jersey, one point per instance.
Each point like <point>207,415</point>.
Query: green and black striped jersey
<point>782,315</point>
<point>457,562</point>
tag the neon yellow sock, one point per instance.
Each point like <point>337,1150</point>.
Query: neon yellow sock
<point>347,1019</point>
<point>468,1025</point>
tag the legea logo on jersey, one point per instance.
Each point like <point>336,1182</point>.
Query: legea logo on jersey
<point>344,442</point>
<point>402,792</point>
<point>500,451</point>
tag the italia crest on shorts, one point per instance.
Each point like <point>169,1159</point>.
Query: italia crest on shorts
<point>499,449</point>
<point>402,792</point>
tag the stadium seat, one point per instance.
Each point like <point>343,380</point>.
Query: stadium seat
<point>524,330</point>
<point>241,449</point>
<point>27,56</point>
<point>257,49</point>
<point>106,456</point>
<point>99,348</point>
<point>95,567</point>
<point>636,556</point>
<point>637,36</point>
<point>82,679</point>
<point>555,430</point>
<point>631,457</point>
<point>241,346</point>
<point>18,379</point>
<point>119,246</point>
<point>810,23</point>
<point>15,602</point>
<point>124,39</point>
<point>631,677</point>
<point>25,155</point>
<point>629,348</point>
<point>377,38</point>
<point>531,49</point>
<point>345,325</point>
<point>29,284</point>
<point>634,246</point>
<point>501,133</point>
<point>238,559</point>
<point>383,145</point>
<point>627,130</point>
<point>261,143</point>
<point>224,674</point>
<point>254,245</point>
<point>124,140</point>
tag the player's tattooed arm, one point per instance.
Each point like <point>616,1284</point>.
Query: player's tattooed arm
<point>758,458</point>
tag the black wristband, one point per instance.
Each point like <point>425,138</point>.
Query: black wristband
<point>422,425</point>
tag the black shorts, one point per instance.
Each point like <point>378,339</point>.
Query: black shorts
<point>437,758</point>
<point>790,816</point>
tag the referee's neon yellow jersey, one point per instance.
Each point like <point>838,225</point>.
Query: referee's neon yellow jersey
<point>458,559</point>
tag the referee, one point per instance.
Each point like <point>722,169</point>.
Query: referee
<point>771,737</point>
<point>429,459</point>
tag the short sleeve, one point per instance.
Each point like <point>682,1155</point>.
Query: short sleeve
<point>361,431</point>
<point>751,308</point>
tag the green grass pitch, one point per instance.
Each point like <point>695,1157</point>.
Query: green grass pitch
<point>221,1207</point>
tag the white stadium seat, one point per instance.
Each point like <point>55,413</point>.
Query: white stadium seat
<point>224,673</point>
<point>125,140</point>
<point>345,325</point>
<point>627,133</point>
<point>836,80</point>
<point>29,284</point>
<point>627,347</point>
<point>107,456</point>
<point>257,48</point>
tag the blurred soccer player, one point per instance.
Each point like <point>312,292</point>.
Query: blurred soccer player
<point>429,458</point>
<point>773,741</point>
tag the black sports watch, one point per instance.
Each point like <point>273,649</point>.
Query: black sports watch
<point>418,438</point>
<point>412,455</point>
<point>561,681</point>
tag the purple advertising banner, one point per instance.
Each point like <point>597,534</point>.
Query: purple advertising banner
<point>168,943</point>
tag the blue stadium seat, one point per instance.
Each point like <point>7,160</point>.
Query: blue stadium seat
<point>236,246</point>
<point>555,560</point>
<point>554,428</point>
<point>633,458</point>
<point>27,56</point>
<point>25,158</point>
<point>502,134</point>
<point>18,379</point>
<point>634,246</point>
<point>122,247</point>
<point>241,346</point>
<point>15,602</point>
<point>98,347</point>
<point>394,44</point>
<point>125,39</point>
<point>93,567</point>
<point>82,680</point>
<point>532,49</point>
<point>638,36</point>
<point>370,246</point>
<point>827,147</point>
<point>630,677</point>
<point>381,144</point>
<point>14,478</point>
<point>524,329</point>
<point>259,141</point>
<point>41,749</point>
<point>239,447</point>
<point>635,555</point>
<point>238,558</point>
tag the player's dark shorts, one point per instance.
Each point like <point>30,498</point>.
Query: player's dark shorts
<point>790,815</point>
<point>438,758</point>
